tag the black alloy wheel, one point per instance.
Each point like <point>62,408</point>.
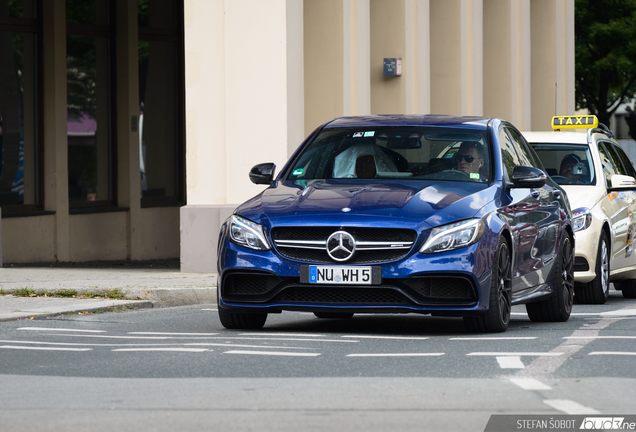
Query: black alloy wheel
<point>558,307</point>
<point>497,318</point>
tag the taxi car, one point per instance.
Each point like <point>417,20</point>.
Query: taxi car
<point>375,214</point>
<point>600,183</point>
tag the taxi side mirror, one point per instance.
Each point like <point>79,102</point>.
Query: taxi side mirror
<point>528,177</point>
<point>622,182</point>
<point>263,173</point>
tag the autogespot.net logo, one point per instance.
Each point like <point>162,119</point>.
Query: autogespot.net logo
<point>607,423</point>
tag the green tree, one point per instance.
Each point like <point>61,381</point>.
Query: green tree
<point>605,49</point>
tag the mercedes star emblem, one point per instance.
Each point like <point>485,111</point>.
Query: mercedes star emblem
<point>341,246</point>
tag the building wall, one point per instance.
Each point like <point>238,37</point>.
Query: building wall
<point>260,76</point>
<point>127,231</point>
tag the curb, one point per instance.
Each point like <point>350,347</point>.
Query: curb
<point>97,305</point>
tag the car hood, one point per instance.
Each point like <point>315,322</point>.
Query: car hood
<point>405,203</point>
<point>583,196</point>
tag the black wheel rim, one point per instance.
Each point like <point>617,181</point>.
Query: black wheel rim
<point>503,282</point>
<point>567,261</point>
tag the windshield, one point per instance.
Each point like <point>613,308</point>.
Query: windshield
<point>395,153</point>
<point>567,164</point>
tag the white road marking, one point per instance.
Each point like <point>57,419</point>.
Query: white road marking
<point>173,334</point>
<point>216,310</point>
<point>493,338</point>
<point>86,344</point>
<point>244,346</point>
<point>530,384</point>
<point>117,337</point>
<point>518,354</point>
<point>44,348</point>
<point>599,337</point>
<point>384,337</point>
<point>282,334</point>
<point>569,407</point>
<point>510,362</point>
<point>612,353</point>
<point>289,339</point>
<point>273,353</point>
<point>161,349</point>
<point>60,329</point>
<point>397,355</point>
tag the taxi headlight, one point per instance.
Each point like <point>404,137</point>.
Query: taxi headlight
<point>453,236</point>
<point>246,233</point>
<point>581,219</point>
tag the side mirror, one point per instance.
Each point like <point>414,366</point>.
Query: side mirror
<point>528,177</point>
<point>263,173</point>
<point>622,182</point>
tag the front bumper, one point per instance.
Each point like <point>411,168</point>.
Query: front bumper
<point>453,283</point>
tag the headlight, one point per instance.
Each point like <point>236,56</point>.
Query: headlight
<point>246,233</point>
<point>581,219</point>
<point>453,236</point>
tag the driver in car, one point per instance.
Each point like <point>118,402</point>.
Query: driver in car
<point>470,158</point>
<point>570,168</point>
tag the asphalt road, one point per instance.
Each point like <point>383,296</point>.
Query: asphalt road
<point>179,369</point>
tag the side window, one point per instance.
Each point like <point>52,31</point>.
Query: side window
<point>525,157</point>
<point>609,169</point>
<point>627,164</point>
<point>508,153</point>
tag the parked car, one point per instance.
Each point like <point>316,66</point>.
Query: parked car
<point>370,215</point>
<point>600,182</point>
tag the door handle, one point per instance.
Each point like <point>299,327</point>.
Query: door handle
<point>535,193</point>
<point>556,193</point>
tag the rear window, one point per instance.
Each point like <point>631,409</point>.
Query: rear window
<point>567,164</point>
<point>434,153</point>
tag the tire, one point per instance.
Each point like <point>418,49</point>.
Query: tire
<point>334,315</point>
<point>242,321</point>
<point>628,288</point>
<point>558,306</point>
<point>497,317</point>
<point>597,291</point>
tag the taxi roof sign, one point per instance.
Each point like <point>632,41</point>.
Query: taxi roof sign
<point>574,122</point>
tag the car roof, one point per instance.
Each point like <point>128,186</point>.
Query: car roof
<point>556,137</point>
<point>468,122</point>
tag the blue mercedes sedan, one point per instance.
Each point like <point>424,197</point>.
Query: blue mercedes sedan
<point>431,214</point>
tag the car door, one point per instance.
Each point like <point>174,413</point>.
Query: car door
<point>527,216</point>
<point>622,204</point>
<point>546,218</point>
<point>615,207</point>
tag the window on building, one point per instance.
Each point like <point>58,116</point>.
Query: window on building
<point>89,42</point>
<point>20,155</point>
<point>161,101</point>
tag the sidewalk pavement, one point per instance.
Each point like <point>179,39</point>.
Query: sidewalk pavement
<point>142,285</point>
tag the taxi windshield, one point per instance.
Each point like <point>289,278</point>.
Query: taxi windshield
<point>413,152</point>
<point>567,164</point>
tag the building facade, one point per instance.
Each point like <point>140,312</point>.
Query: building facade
<point>144,117</point>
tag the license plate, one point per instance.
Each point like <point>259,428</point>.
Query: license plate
<point>341,275</point>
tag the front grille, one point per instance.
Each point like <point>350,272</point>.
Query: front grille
<point>442,288</point>
<point>580,264</point>
<point>258,287</point>
<point>360,257</point>
<point>373,245</point>
<point>343,295</point>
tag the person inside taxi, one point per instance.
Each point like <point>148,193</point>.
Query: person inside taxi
<point>470,159</point>
<point>570,169</point>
